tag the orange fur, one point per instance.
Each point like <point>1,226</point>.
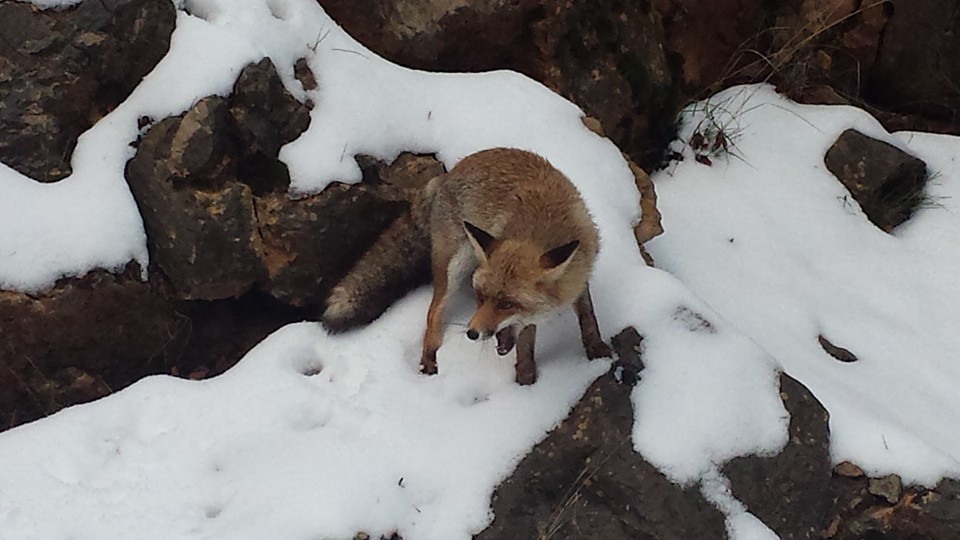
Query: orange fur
<point>522,224</point>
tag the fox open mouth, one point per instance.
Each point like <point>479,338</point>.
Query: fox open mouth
<point>506,340</point>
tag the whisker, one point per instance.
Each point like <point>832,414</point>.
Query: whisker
<point>482,350</point>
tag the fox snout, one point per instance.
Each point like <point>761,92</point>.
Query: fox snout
<point>487,320</point>
<point>474,334</point>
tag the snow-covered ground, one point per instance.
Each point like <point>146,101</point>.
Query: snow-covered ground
<point>317,436</point>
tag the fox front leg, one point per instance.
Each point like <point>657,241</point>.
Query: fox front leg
<point>526,365</point>
<point>593,344</point>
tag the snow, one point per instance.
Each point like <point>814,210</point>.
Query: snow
<point>772,241</point>
<point>318,436</point>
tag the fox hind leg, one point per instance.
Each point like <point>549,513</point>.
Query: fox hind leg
<point>447,267</point>
<point>433,336</point>
<point>593,344</point>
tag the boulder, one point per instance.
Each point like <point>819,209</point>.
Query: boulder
<point>219,221</point>
<point>61,70</point>
<point>791,491</point>
<point>309,244</point>
<point>586,481</point>
<point>264,118</point>
<point>918,75</point>
<point>200,222</point>
<point>886,181</point>
<point>81,340</point>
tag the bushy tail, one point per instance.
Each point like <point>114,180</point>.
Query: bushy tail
<point>396,263</point>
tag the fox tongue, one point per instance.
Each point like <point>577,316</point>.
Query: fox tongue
<point>505,340</point>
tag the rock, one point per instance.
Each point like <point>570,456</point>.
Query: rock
<point>889,487</point>
<point>403,179</point>
<point>310,243</point>
<point>213,197</point>
<point>706,38</point>
<point>585,480</point>
<point>628,345</point>
<point>917,512</point>
<point>79,341</point>
<point>265,117</point>
<point>201,226</point>
<point>611,62</point>
<point>444,35</point>
<point>848,469</point>
<point>944,503</point>
<point>887,182</point>
<point>194,148</point>
<point>918,75</point>
<point>303,73</point>
<point>790,492</point>
<point>61,70</point>
<point>839,353</point>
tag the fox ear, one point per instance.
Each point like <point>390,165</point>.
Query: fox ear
<point>560,256</point>
<point>482,241</point>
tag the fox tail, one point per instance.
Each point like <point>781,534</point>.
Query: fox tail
<point>396,263</point>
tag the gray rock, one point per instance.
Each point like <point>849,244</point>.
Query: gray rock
<point>586,481</point>
<point>310,243</point>
<point>790,492</point>
<point>889,487</point>
<point>918,75</point>
<point>61,70</point>
<point>884,180</point>
<point>201,226</point>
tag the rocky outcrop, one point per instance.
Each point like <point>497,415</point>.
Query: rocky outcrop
<point>632,64</point>
<point>200,223</point>
<point>80,341</point>
<point>790,492</point>
<point>213,197</point>
<point>60,71</point>
<point>918,75</point>
<point>886,181</point>
<point>586,481</point>
<point>233,257</point>
<point>300,236</point>
<point>608,58</point>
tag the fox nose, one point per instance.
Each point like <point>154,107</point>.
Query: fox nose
<point>473,334</point>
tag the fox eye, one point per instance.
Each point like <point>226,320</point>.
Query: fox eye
<point>480,296</point>
<point>506,305</point>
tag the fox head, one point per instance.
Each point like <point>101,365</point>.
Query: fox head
<point>517,280</point>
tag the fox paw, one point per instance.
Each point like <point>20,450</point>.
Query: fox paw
<point>428,363</point>
<point>599,350</point>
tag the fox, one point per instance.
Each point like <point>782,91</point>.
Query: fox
<point>520,230</point>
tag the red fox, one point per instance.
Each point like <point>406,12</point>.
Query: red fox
<point>521,224</point>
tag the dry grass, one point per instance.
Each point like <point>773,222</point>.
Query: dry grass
<point>787,61</point>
